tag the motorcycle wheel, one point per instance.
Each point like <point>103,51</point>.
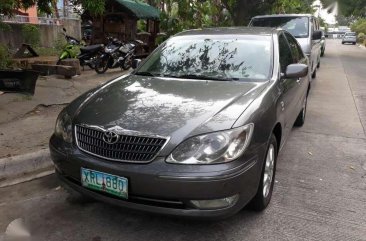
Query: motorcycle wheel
<point>127,64</point>
<point>92,66</point>
<point>101,66</point>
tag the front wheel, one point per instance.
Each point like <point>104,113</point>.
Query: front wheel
<point>265,189</point>
<point>101,65</point>
<point>313,75</point>
<point>127,63</point>
<point>301,117</point>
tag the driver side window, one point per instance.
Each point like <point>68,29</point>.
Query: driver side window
<point>285,53</point>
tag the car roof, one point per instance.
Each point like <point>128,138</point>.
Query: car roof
<point>230,31</point>
<point>284,15</point>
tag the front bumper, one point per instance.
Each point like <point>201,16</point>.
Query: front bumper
<point>164,188</point>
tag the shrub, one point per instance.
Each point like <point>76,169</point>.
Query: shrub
<point>4,57</point>
<point>60,43</point>
<point>31,34</point>
<point>361,37</point>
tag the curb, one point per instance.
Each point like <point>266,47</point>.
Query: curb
<point>17,169</point>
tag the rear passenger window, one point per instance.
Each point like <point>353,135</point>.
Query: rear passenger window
<point>285,53</point>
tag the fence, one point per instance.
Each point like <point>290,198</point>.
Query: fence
<point>35,20</point>
<point>49,32</point>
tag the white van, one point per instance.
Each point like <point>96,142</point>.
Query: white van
<point>304,27</point>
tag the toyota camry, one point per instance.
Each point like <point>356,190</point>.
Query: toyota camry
<point>194,130</point>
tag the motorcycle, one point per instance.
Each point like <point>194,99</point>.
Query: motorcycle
<point>87,55</point>
<point>116,54</point>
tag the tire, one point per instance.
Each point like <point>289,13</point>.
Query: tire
<point>342,42</point>
<point>102,65</point>
<point>126,65</point>
<point>322,53</point>
<point>313,75</point>
<point>300,120</point>
<point>91,66</point>
<point>265,189</point>
<point>318,65</point>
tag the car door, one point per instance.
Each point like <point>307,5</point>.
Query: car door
<point>288,86</point>
<point>315,44</point>
<point>302,83</point>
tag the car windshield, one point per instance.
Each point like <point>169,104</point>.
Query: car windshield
<point>297,26</point>
<point>223,57</point>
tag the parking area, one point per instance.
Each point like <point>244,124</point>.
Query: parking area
<point>320,189</point>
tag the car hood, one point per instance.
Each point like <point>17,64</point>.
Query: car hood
<point>175,108</point>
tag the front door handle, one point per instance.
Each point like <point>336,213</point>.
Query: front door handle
<point>298,80</point>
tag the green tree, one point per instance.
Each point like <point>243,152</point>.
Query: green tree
<point>291,6</point>
<point>359,26</point>
<point>349,7</point>
<point>7,7</point>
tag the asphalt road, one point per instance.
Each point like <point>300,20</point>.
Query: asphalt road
<point>320,191</point>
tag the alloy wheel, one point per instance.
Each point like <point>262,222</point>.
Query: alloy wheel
<point>268,170</point>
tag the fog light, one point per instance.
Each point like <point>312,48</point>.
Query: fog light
<point>215,203</point>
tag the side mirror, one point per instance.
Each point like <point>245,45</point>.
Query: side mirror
<point>323,37</point>
<point>136,63</point>
<point>317,35</point>
<point>295,71</point>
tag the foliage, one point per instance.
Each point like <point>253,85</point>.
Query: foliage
<point>92,7</point>
<point>350,7</point>
<point>44,51</point>
<point>359,26</point>
<point>361,37</point>
<point>60,43</point>
<point>31,34</point>
<point>291,6</point>
<point>5,59</point>
<point>5,27</point>
<point>7,7</point>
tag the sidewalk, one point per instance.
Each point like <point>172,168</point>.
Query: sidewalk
<point>27,122</point>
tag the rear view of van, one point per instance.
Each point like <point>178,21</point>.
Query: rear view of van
<point>304,27</point>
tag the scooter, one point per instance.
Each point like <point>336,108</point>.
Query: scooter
<point>116,54</point>
<point>87,55</point>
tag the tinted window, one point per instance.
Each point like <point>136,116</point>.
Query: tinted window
<point>297,26</point>
<point>223,57</point>
<point>297,54</point>
<point>350,34</point>
<point>285,53</point>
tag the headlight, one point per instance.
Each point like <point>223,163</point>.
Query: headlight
<point>213,148</point>
<point>63,126</point>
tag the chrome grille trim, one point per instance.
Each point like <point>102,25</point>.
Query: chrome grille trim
<point>131,147</point>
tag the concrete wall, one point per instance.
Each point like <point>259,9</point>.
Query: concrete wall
<point>49,33</point>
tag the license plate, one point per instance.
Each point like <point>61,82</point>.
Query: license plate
<point>105,182</point>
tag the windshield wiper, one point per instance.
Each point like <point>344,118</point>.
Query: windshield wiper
<point>201,77</point>
<point>145,73</point>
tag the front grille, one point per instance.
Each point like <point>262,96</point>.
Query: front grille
<point>128,148</point>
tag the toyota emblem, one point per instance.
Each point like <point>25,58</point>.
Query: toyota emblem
<point>110,137</point>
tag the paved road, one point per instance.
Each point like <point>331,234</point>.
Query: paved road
<point>320,191</point>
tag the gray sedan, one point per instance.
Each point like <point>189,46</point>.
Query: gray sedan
<point>194,130</point>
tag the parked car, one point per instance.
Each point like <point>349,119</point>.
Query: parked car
<point>323,44</point>
<point>304,27</point>
<point>194,130</point>
<point>349,37</point>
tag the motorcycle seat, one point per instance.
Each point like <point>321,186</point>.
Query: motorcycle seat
<point>91,48</point>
